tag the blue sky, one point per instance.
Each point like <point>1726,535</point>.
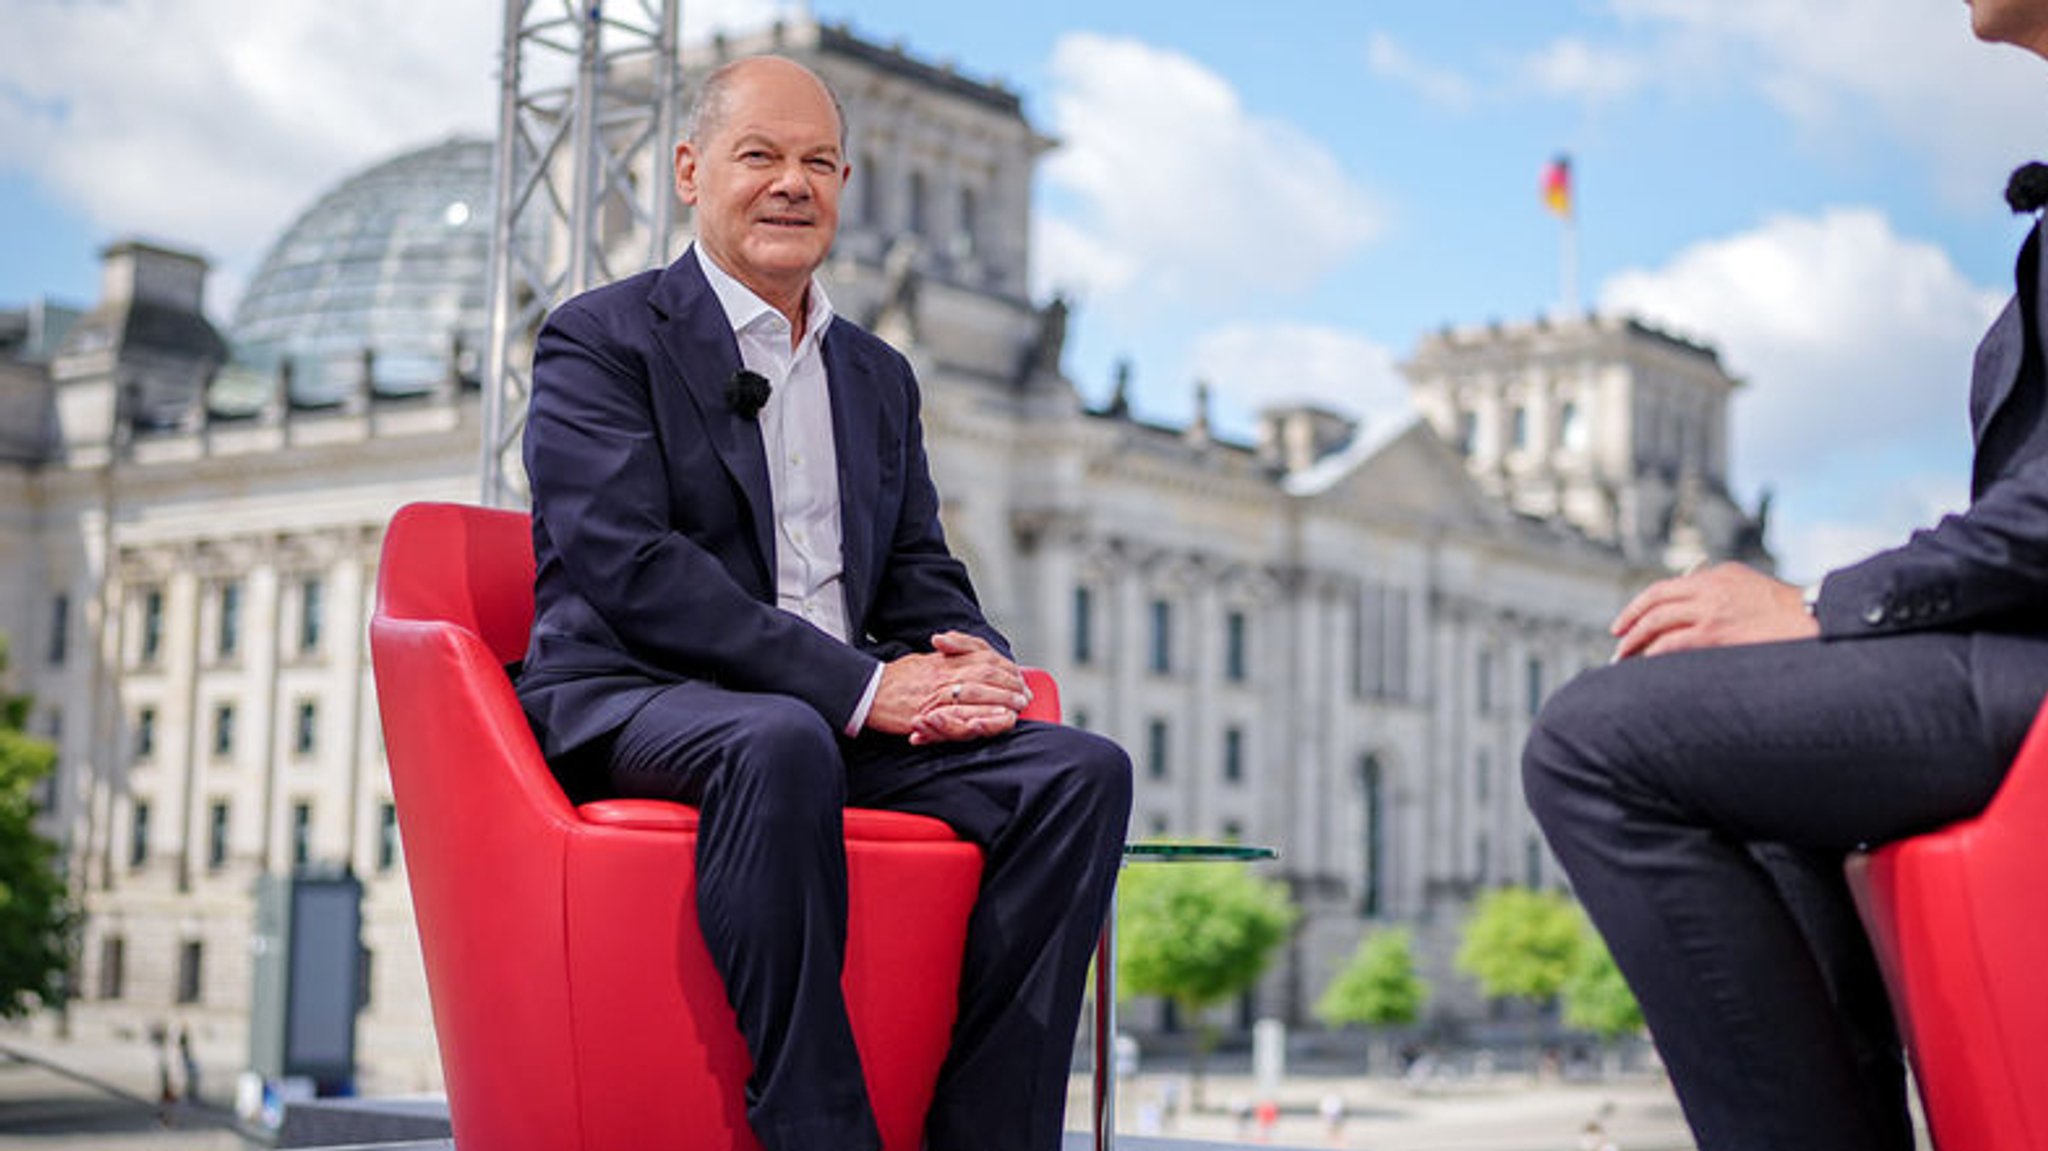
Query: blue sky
<point>1279,198</point>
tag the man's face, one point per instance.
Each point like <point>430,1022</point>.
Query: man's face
<point>766,179</point>
<point>2023,23</point>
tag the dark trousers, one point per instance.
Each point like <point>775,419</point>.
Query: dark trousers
<point>1702,804</point>
<point>1049,807</point>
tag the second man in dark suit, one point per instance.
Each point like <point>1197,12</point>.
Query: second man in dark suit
<point>1703,790</point>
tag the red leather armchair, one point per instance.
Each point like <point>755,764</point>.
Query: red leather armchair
<point>574,1002</point>
<point>1960,925</point>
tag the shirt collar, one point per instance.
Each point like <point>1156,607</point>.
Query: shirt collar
<point>745,311</point>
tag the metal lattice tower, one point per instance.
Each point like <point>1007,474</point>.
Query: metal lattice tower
<point>587,109</point>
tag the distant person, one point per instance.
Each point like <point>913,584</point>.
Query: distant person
<point>188,1062</point>
<point>745,602</point>
<point>1702,791</point>
<point>1332,1110</point>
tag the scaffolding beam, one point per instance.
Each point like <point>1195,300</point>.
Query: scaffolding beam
<point>588,96</point>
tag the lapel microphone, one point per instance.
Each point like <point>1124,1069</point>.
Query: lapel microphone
<point>746,393</point>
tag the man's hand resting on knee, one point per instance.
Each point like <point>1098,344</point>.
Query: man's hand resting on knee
<point>962,689</point>
<point>1722,606</point>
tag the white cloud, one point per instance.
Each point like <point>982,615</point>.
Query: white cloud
<point>1440,86</point>
<point>1258,365</point>
<point>1573,68</point>
<point>1857,345</point>
<point>1178,194</point>
<point>209,123</point>
<point>1914,67</point>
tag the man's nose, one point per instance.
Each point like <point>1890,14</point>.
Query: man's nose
<point>790,182</point>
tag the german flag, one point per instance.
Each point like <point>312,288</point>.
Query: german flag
<point>1557,185</point>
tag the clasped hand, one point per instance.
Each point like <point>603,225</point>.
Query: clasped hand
<point>962,689</point>
<point>1721,606</point>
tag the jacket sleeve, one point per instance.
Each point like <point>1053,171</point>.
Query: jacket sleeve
<point>601,491</point>
<point>923,588</point>
<point>1976,565</point>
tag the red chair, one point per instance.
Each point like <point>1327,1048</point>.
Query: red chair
<point>1960,925</point>
<point>574,1002</point>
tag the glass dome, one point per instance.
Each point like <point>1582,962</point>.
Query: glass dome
<point>387,273</point>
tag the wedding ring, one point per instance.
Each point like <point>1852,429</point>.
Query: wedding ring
<point>956,693</point>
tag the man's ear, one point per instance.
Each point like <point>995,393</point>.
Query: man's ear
<point>686,172</point>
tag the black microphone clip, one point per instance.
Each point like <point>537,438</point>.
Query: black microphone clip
<point>746,393</point>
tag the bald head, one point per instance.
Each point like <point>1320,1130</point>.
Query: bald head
<point>762,163</point>
<point>712,108</point>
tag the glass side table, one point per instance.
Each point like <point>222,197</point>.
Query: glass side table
<point>1105,966</point>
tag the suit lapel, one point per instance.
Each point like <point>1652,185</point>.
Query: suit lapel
<point>856,409</point>
<point>698,339</point>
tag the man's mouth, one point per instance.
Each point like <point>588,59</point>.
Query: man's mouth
<point>786,221</point>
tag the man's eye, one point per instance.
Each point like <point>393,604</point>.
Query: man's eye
<point>823,164</point>
<point>755,156</point>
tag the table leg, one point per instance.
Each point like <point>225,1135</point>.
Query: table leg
<point>1105,1033</point>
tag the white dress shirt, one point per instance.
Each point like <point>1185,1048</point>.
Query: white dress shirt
<point>803,458</point>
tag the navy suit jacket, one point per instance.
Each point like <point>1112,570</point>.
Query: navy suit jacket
<point>653,530</point>
<point>1985,570</point>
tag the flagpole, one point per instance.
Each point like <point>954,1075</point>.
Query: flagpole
<point>1568,264</point>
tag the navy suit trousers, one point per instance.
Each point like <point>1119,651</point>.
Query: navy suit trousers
<point>1702,804</point>
<point>1049,807</point>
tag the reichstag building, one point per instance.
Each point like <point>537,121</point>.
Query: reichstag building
<point>1330,640</point>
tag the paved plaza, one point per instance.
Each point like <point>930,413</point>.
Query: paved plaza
<point>60,1096</point>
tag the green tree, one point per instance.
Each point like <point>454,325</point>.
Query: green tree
<point>36,918</point>
<point>1598,999</point>
<point>1198,934</point>
<point>1379,988</point>
<point>1520,944</point>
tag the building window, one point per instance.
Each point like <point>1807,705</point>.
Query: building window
<point>152,625</point>
<point>145,734</point>
<point>311,606</point>
<point>1483,846</point>
<point>1162,637</point>
<point>1532,863</point>
<point>306,729</point>
<point>1084,625</point>
<point>1234,661</point>
<point>113,966</point>
<point>1468,431</point>
<point>1157,825</point>
<point>223,730</point>
<point>60,629</point>
<point>870,191</point>
<point>302,834</point>
<point>1483,675</point>
<point>1482,776</point>
<point>1520,427</point>
<point>138,835</point>
<point>387,836</point>
<point>228,636</point>
<point>1572,427</point>
<point>191,965</point>
<point>1233,755</point>
<point>1079,720</point>
<point>1372,785</point>
<point>1233,831</point>
<point>970,225</point>
<point>920,222</point>
<point>1535,684</point>
<point>217,835</point>
<point>1155,749</point>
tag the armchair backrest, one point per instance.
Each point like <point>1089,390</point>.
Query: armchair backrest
<point>469,566</point>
